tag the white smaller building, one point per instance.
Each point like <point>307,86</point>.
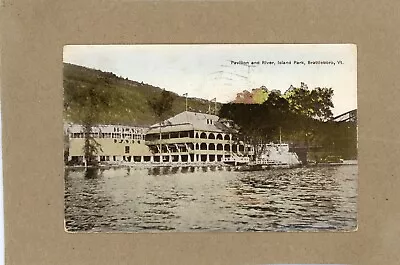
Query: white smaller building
<point>278,154</point>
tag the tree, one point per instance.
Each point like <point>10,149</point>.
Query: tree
<point>161,106</point>
<point>92,100</point>
<point>310,107</point>
<point>259,124</point>
<point>256,96</point>
<point>66,144</point>
<point>315,103</point>
<point>297,115</point>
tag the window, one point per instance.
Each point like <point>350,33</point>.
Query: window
<point>126,149</point>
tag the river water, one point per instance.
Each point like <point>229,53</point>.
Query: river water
<point>211,199</point>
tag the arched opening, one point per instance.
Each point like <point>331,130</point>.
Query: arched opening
<point>203,135</point>
<point>211,146</point>
<point>190,146</point>
<point>220,147</point>
<point>211,136</point>
<point>185,158</point>
<point>203,146</point>
<point>227,147</point>
<point>241,148</point>
<point>234,148</point>
<point>219,137</point>
<point>226,137</point>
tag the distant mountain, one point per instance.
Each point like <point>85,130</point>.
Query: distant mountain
<point>129,98</point>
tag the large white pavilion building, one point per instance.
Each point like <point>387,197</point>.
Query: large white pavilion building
<point>193,137</point>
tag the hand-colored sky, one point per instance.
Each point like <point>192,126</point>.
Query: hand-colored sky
<point>206,71</point>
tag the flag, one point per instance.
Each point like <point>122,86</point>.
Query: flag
<point>185,95</point>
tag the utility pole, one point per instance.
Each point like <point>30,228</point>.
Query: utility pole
<point>215,106</point>
<point>186,105</point>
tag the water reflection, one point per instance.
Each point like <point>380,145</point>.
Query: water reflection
<point>282,198</point>
<point>93,173</point>
<point>85,207</point>
<point>211,199</point>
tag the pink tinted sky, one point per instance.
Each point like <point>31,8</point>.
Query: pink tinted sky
<point>206,71</point>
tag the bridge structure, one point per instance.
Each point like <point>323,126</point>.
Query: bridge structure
<point>349,116</point>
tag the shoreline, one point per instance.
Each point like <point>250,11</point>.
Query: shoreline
<point>175,164</point>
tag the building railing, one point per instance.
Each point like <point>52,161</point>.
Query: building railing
<point>188,140</point>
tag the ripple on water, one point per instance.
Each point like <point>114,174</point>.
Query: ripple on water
<point>211,199</point>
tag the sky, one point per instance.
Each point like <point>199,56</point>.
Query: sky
<point>222,70</point>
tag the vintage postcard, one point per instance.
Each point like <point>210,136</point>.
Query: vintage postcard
<point>213,137</point>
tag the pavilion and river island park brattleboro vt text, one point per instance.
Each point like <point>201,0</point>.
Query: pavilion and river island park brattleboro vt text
<point>210,138</point>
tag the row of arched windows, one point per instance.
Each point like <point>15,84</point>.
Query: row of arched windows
<point>204,147</point>
<point>213,136</point>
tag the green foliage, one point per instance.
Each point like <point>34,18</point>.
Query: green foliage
<point>94,99</point>
<point>162,104</point>
<point>260,95</point>
<point>315,103</point>
<point>256,96</point>
<point>300,116</point>
<point>260,124</point>
<point>91,147</point>
<point>128,104</point>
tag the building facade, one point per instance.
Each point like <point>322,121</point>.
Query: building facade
<point>116,143</point>
<point>188,137</point>
<point>193,137</point>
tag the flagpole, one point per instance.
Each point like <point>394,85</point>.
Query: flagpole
<point>186,105</point>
